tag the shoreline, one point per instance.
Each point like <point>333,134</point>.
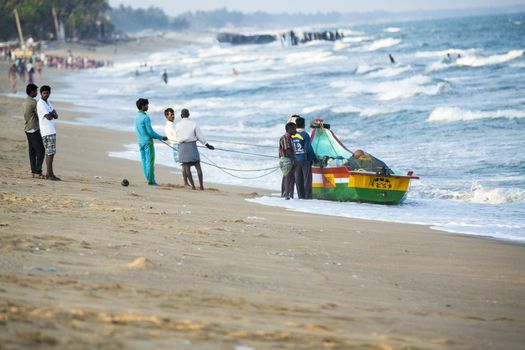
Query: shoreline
<point>78,111</point>
<point>87,263</point>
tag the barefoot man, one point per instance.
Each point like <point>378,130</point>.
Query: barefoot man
<point>187,133</point>
<point>46,119</point>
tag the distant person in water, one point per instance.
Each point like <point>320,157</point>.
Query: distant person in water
<point>392,60</point>
<point>187,133</point>
<point>145,136</point>
<point>165,76</point>
<point>235,72</point>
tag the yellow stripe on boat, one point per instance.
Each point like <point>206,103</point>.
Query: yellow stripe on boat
<point>378,182</point>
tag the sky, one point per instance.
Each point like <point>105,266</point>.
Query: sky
<point>172,7</point>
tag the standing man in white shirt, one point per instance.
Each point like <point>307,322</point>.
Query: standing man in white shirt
<point>169,130</point>
<point>187,133</point>
<point>46,118</point>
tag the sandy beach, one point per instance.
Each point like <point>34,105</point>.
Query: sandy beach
<point>88,264</point>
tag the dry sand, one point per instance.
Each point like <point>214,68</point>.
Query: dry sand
<point>88,264</point>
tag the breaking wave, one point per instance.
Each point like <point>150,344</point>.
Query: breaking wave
<point>380,44</point>
<point>452,114</point>
<point>477,61</point>
<point>392,30</point>
<point>472,60</point>
<point>443,53</point>
<point>477,194</point>
<point>389,72</point>
<point>395,89</point>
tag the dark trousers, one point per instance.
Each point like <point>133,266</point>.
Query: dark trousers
<point>303,179</point>
<point>283,189</point>
<point>289,182</point>
<point>36,151</point>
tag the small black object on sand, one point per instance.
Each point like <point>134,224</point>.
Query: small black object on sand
<point>125,182</point>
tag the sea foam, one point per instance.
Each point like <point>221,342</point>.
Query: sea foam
<point>478,61</point>
<point>392,30</point>
<point>395,89</point>
<point>452,114</point>
<point>476,194</point>
<point>380,44</point>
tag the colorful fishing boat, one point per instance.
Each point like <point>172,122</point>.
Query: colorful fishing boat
<point>347,179</point>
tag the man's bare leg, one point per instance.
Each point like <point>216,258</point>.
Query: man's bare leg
<point>49,165</point>
<point>185,174</point>
<point>199,174</point>
<point>189,176</point>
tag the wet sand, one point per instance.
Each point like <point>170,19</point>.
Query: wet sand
<point>88,264</point>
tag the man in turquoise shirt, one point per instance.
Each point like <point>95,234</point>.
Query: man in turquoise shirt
<point>145,135</point>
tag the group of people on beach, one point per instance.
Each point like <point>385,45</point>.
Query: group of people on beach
<point>184,134</point>
<point>295,149</point>
<point>28,68</point>
<point>296,157</point>
<point>40,130</point>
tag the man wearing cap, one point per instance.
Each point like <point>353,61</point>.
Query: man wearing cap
<point>187,133</point>
<point>145,135</point>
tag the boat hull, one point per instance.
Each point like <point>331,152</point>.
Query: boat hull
<point>341,184</point>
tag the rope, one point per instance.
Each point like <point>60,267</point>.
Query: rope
<point>243,144</point>
<point>225,170</point>
<point>241,152</point>
<point>236,176</point>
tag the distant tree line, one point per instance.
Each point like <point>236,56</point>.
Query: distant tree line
<point>223,18</point>
<point>80,19</point>
<point>128,19</point>
<point>95,19</point>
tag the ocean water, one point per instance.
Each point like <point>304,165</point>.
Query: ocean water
<point>458,123</point>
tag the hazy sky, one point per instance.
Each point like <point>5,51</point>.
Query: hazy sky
<point>278,6</point>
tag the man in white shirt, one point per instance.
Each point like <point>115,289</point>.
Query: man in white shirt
<point>187,133</point>
<point>46,119</point>
<point>169,131</point>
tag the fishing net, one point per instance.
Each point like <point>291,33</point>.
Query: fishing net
<point>328,147</point>
<point>285,164</point>
<point>325,144</point>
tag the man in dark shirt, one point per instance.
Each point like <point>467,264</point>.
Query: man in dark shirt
<point>32,130</point>
<point>287,159</point>
<point>305,156</point>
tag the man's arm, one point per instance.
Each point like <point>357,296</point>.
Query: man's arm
<point>42,112</point>
<point>289,150</point>
<point>28,109</point>
<point>199,136</point>
<point>310,150</point>
<point>149,129</point>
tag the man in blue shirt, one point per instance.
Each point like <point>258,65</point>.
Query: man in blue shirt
<point>305,156</point>
<point>145,135</point>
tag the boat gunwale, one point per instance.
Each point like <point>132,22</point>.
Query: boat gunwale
<point>346,170</point>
